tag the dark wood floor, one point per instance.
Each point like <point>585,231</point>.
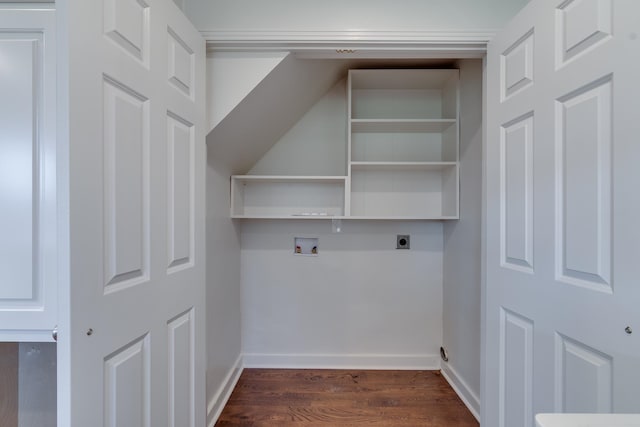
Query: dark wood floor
<point>8,384</point>
<point>292,397</point>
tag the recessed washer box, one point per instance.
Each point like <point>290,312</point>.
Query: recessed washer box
<point>305,246</point>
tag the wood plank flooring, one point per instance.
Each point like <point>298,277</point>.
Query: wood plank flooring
<point>293,397</point>
<point>8,384</point>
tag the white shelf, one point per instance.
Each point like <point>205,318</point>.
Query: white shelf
<point>392,191</point>
<point>403,144</point>
<point>305,217</point>
<point>402,125</point>
<point>402,218</point>
<point>391,166</point>
<point>281,196</point>
<point>288,178</point>
<point>403,79</point>
<point>347,218</point>
<point>402,157</point>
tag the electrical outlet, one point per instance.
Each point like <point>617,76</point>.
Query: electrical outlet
<point>403,241</point>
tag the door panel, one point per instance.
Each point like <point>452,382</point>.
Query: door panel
<point>584,378</point>
<point>516,368</point>
<point>136,329</point>
<point>560,281</point>
<point>126,22</point>
<point>180,204</point>
<point>126,186</point>
<point>28,189</point>
<point>581,25</point>
<point>583,138</point>
<point>517,243</point>
<point>127,385</point>
<point>181,371</point>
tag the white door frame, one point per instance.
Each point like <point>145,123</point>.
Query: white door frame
<point>372,45</point>
<point>354,44</point>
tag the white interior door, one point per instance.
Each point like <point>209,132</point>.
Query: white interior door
<point>562,212</point>
<point>133,346</point>
<point>28,238</point>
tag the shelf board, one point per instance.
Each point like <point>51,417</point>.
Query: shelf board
<point>401,125</point>
<point>341,217</point>
<point>289,178</point>
<point>305,217</point>
<point>401,218</point>
<point>391,166</point>
<point>401,79</point>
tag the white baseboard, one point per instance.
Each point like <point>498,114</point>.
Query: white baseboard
<point>342,361</point>
<point>468,397</point>
<point>222,395</point>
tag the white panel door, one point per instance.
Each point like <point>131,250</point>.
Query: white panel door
<point>562,324</point>
<point>132,349</point>
<point>28,227</point>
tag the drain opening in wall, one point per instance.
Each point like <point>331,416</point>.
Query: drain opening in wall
<point>305,246</point>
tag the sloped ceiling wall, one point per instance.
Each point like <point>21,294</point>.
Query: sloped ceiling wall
<point>271,109</point>
<point>231,76</point>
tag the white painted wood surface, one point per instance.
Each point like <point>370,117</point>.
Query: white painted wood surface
<point>287,196</point>
<point>562,232</point>
<point>402,127</point>
<point>131,345</point>
<point>405,126</point>
<point>587,420</point>
<point>28,164</point>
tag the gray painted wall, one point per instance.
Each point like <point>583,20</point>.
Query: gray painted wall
<point>223,328</point>
<point>462,244</point>
<point>37,385</point>
<point>340,15</point>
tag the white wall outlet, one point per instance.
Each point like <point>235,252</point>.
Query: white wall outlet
<point>403,241</point>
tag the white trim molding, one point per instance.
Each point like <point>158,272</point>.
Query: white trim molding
<point>343,361</point>
<point>220,398</point>
<point>357,44</point>
<point>468,397</point>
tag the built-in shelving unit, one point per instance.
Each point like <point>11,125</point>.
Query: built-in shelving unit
<point>403,144</point>
<point>269,196</point>
<point>402,156</point>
